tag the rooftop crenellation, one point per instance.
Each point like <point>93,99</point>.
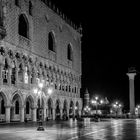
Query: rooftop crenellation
<point>63,16</point>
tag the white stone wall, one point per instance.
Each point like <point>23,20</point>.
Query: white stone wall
<point>42,21</point>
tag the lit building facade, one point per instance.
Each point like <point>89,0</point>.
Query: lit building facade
<point>38,44</point>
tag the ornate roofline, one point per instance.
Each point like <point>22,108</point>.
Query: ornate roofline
<point>63,16</point>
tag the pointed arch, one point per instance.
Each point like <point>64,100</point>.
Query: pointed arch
<point>51,42</point>
<point>69,52</point>
<point>17,96</point>
<point>23,26</point>
<point>4,97</point>
<point>29,103</point>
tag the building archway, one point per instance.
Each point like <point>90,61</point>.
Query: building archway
<point>29,103</point>
<point>50,109</point>
<point>77,110</point>
<point>16,107</point>
<point>2,106</point>
<point>57,110</point>
<point>40,105</point>
<point>71,110</point>
<point>65,113</point>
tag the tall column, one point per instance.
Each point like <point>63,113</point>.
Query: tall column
<point>79,112</point>
<point>16,77</point>
<point>22,114</point>
<point>44,112</point>
<point>9,76</point>
<point>7,115</point>
<point>61,113</point>
<point>131,75</point>
<point>54,113</point>
<point>68,113</point>
<point>34,114</point>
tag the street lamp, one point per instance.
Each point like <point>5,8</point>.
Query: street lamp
<point>117,106</point>
<point>40,93</point>
<point>97,102</point>
<point>87,110</point>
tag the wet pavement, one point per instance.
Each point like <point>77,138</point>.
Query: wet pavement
<point>113,129</point>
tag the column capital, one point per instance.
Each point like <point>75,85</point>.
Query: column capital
<point>131,75</point>
<point>8,106</point>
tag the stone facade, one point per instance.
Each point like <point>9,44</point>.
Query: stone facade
<point>39,47</point>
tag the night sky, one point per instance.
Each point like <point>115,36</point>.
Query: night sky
<point>110,45</point>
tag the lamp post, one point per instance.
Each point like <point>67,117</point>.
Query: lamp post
<point>87,110</point>
<point>97,102</point>
<point>40,93</point>
<point>117,106</point>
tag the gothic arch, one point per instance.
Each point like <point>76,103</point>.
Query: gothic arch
<point>23,26</point>
<point>31,99</point>
<point>4,96</point>
<point>51,41</point>
<point>17,96</point>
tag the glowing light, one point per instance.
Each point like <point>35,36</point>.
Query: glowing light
<point>96,97</point>
<point>50,90</point>
<point>35,90</point>
<point>93,101</point>
<point>26,78</point>
<point>101,101</point>
<point>40,84</point>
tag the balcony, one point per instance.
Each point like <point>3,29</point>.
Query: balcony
<point>24,42</point>
<point>52,55</point>
<point>69,62</point>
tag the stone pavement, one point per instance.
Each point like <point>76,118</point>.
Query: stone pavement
<point>113,129</point>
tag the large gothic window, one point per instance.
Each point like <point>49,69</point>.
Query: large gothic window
<point>51,42</point>
<point>23,27</point>
<point>69,52</point>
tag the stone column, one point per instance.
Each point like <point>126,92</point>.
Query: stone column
<point>61,113</point>
<point>79,113</point>
<point>34,114</point>
<point>22,114</point>
<point>9,76</point>
<point>68,113</point>
<point>16,77</point>
<point>7,114</point>
<point>44,112</point>
<point>53,113</point>
<point>131,76</point>
<point>74,111</point>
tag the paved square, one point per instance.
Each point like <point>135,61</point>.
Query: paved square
<point>103,130</point>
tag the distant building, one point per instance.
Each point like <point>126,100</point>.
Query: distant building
<point>86,98</point>
<point>38,45</point>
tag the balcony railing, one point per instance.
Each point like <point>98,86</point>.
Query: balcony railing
<point>69,63</point>
<point>24,42</point>
<point>52,55</point>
